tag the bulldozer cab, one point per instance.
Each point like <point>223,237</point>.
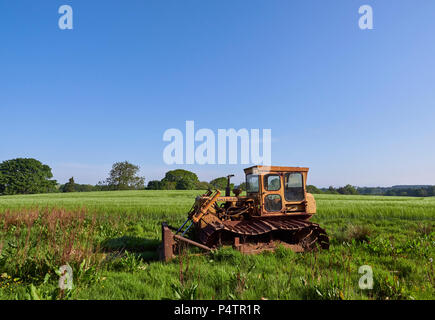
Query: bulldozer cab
<point>278,190</point>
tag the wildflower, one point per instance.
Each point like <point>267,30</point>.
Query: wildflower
<point>4,275</point>
<point>430,260</point>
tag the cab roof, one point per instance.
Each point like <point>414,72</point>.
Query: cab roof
<point>273,169</point>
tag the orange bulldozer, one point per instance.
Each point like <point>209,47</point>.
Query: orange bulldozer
<point>275,211</point>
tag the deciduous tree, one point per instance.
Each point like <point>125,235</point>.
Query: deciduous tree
<point>124,176</point>
<point>25,176</point>
<point>70,186</point>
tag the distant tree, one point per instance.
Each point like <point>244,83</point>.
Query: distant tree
<point>402,191</point>
<point>371,190</point>
<point>203,185</point>
<point>69,186</point>
<point>219,183</point>
<point>102,186</point>
<point>180,174</point>
<point>124,176</point>
<point>154,185</point>
<point>314,190</point>
<point>331,190</point>
<point>167,185</point>
<point>85,188</point>
<point>351,189</point>
<point>421,193</point>
<point>179,179</point>
<point>185,184</point>
<point>25,176</point>
<point>348,189</point>
<point>242,186</point>
<point>391,193</point>
<point>79,187</point>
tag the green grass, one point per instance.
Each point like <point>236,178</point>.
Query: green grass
<point>135,202</point>
<point>401,243</point>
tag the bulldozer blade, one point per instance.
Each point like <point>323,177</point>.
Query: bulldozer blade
<point>167,247</point>
<point>169,242</point>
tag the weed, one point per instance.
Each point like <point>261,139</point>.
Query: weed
<point>128,262</point>
<point>227,255</point>
<point>184,293</point>
<point>391,288</point>
<point>424,228</point>
<point>358,233</point>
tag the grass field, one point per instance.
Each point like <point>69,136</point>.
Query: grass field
<point>110,241</point>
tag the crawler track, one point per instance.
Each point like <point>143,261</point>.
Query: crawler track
<point>288,230</point>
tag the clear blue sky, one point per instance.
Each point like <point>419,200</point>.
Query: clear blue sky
<point>355,106</point>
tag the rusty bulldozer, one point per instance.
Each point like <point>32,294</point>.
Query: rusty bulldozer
<point>275,211</point>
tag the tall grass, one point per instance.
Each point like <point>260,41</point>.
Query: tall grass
<point>156,203</point>
<point>34,242</point>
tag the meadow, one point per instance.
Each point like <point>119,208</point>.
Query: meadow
<point>110,240</point>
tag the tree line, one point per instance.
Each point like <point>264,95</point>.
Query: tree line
<point>398,191</point>
<point>29,176</point>
<point>348,189</point>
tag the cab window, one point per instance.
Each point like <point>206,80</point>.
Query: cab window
<point>294,187</point>
<point>273,202</point>
<point>252,183</point>
<point>272,182</point>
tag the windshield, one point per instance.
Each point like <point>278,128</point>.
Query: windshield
<point>252,184</point>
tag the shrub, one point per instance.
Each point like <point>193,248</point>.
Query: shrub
<point>359,233</point>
